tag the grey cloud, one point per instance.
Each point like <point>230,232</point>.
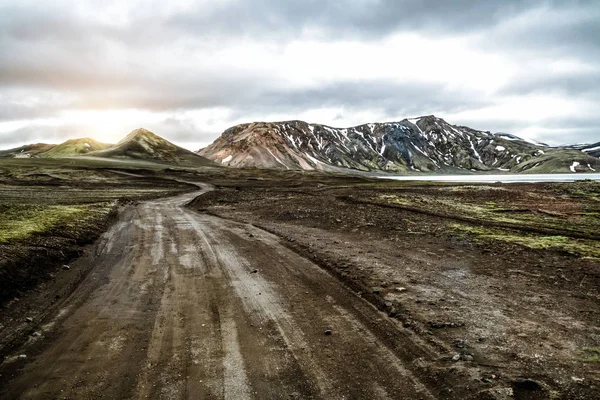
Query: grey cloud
<point>363,18</point>
<point>571,135</point>
<point>275,19</point>
<point>178,130</point>
<point>562,28</point>
<point>564,130</point>
<point>583,84</point>
<point>397,100</point>
<point>36,133</point>
<point>52,49</point>
<point>184,132</point>
<point>11,112</point>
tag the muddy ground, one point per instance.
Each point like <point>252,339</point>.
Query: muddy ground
<point>288,285</point>
<point>28,194</point>
<point>451,273</point>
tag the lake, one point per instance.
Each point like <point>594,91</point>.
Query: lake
<point>507,178</point>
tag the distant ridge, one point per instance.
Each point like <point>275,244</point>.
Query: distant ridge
<point>145,145</point>
<point>74,147</point>
<point>140,144</point>
<point>591,149</point>
<point>27,151</point>
<point>422,144</point>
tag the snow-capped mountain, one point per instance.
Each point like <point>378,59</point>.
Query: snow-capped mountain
<point>425,144</point>
<point>591,149</point>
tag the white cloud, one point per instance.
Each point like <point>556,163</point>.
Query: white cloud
<point>191,69</point>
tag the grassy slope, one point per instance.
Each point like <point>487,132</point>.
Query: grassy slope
<point>74,147</point>
<point>522,221</point>
<point>145,145</point>
<point>559,161</point>
<point>50,208</point>
<point>18,221</point>
<point>27,150</point>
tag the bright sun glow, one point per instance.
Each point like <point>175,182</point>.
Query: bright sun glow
<point>109,126</point>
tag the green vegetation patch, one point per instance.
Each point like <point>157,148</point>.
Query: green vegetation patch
<point>591,354</point>
<point>22,221</point>
<point>577,247</point>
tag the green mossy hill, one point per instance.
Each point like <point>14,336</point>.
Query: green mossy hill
<point>27,151</point>
<point>145,145</point>
<point>74,147</point>
<point>559,161</point>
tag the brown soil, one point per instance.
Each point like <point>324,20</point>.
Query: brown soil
<point>243,299</point>
<point>518,312</point>
<point>25,263</point>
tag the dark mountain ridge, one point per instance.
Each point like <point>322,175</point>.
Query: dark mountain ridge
<point>424,144</point>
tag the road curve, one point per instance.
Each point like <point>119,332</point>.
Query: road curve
<point>181,305</point>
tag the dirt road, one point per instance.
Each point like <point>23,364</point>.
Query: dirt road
<point>186,305</point>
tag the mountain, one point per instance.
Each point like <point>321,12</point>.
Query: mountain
<point>145,145</point>
<point>74,147</point>
<point>591,149</point>
<point>425,144</point>
<point>140,144</point>
<point>27,151</point>
<point>69,148</point>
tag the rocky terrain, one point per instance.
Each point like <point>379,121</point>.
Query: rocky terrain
<point>425,144</point>
<point>501,280</point>
<point>418,145</point>
<point>256,283</point>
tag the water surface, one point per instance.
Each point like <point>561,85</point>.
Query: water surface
<point>504,178</point>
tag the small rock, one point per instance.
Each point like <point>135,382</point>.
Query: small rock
<point>328,332</point>
<point>456,357</point>
<point>460,343</point>
<point>467,357</point>
<point>254,271</point>
<point>576,379</point>
<point>22,357</point>
<point>401,289</point>
<point>376,289</point>
<point>526,385</point>
<point>66,267</point>
<point>37,334</point>
<point>28,319</point>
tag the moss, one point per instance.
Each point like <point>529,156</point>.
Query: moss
<point>21,221</point>
<point>491,212</point>
<point>578,247</point>
<point>591,354</point>
<point>395,200</point>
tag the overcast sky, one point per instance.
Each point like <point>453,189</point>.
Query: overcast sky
<point>190,69</point>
